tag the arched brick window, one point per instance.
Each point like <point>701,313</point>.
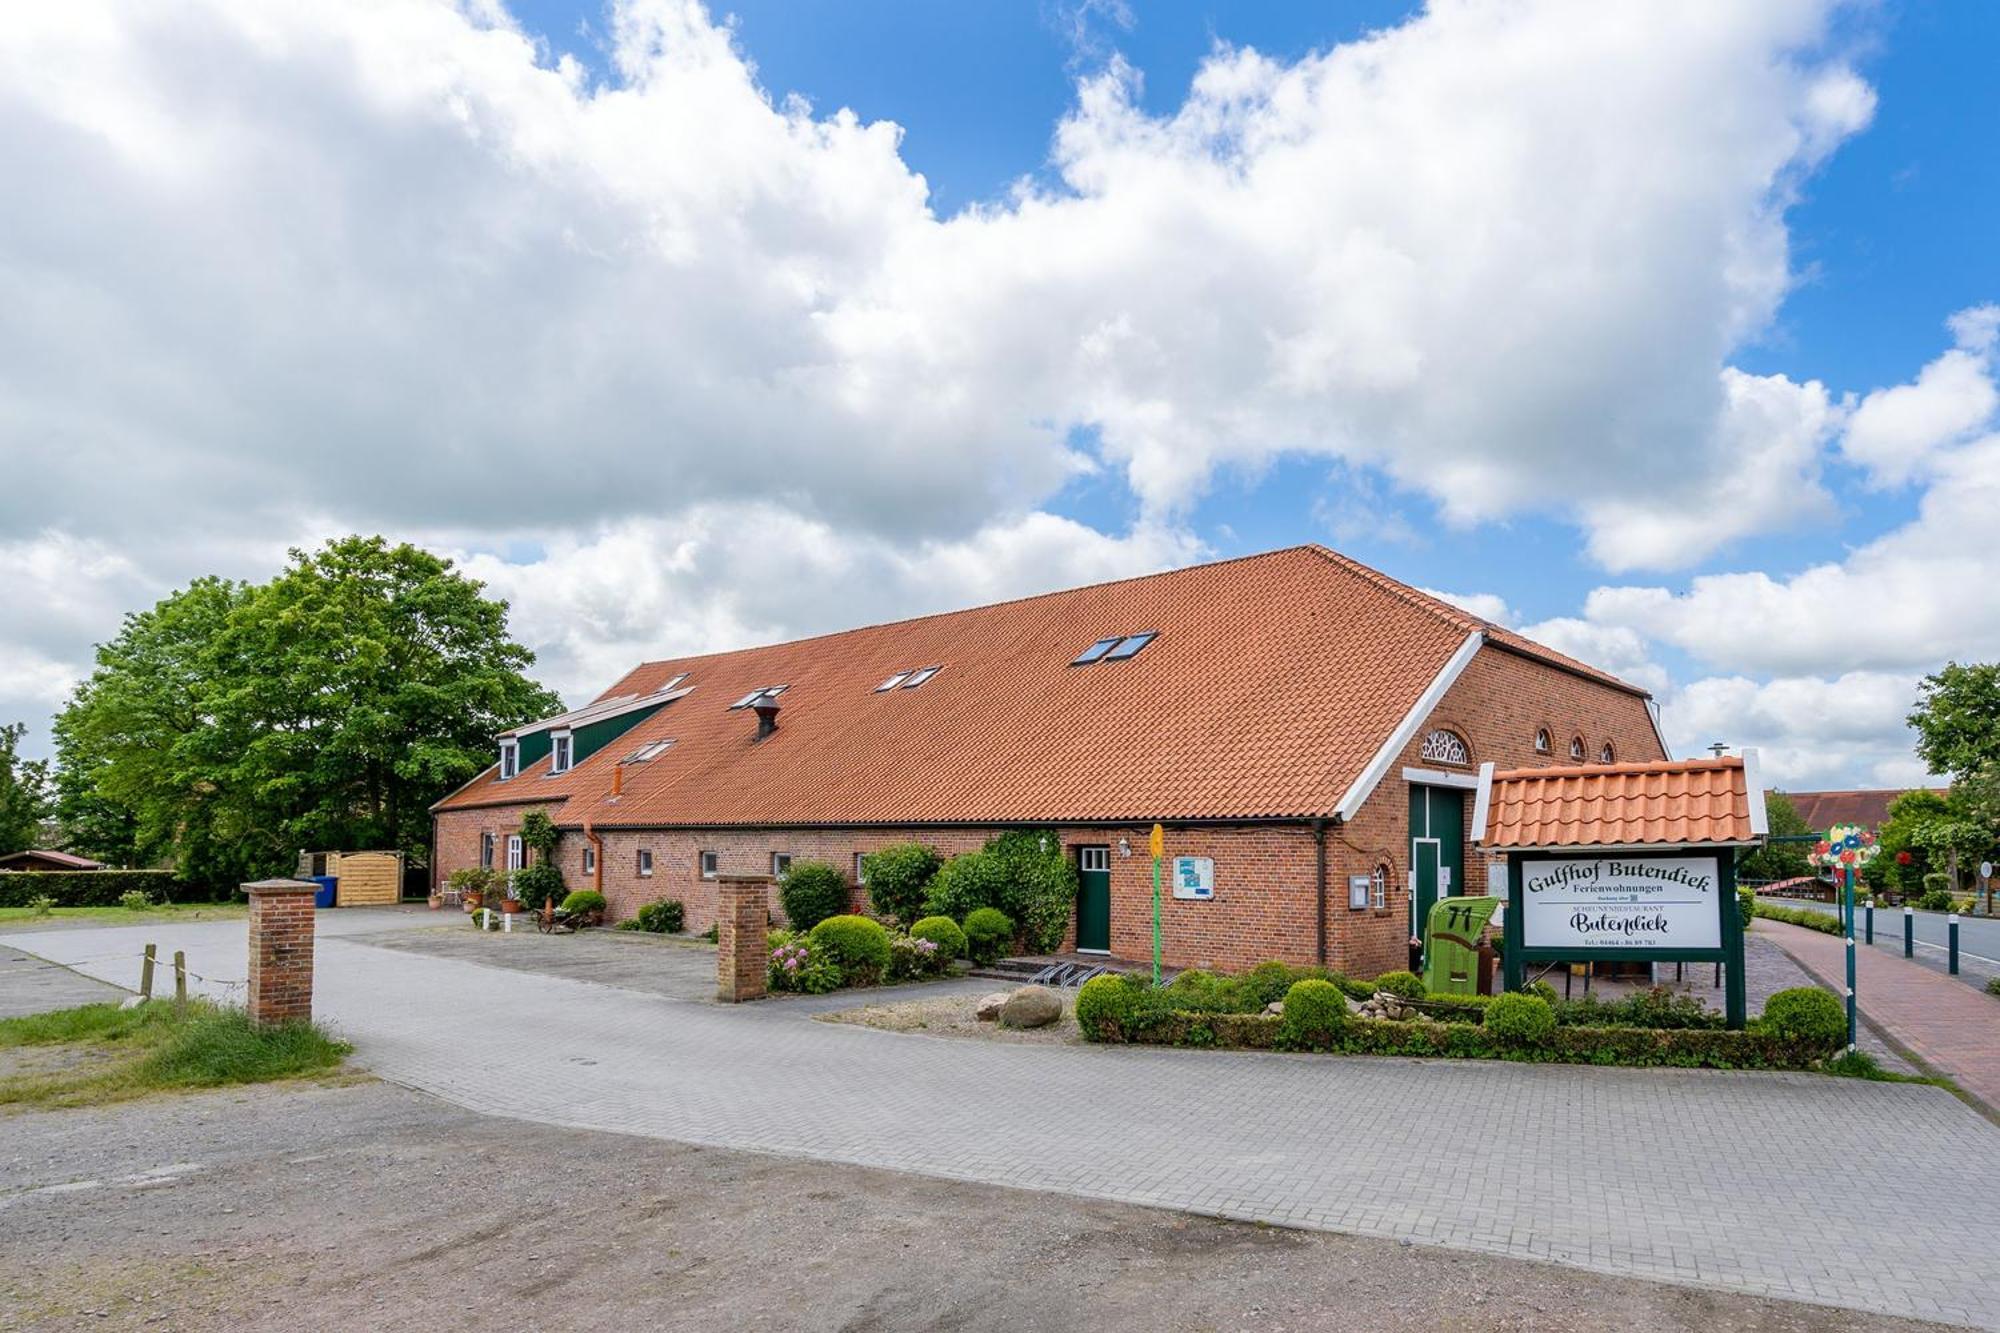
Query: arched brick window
<point>1576,748</point>
<point>1607,755</point>
<point>1544,743</point>
<point>1445,746</point>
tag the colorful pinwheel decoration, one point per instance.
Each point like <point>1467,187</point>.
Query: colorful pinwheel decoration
<point>1845,847</point>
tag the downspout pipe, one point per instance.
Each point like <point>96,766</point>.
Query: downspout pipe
<point>597,842</point>
<point>1319,880</point>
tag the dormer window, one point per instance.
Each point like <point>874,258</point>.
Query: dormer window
<point>561,747</point>
<point>510,759</point>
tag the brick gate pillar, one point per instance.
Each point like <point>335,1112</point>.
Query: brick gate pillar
<point>742,922</point>
<point>281,950</point>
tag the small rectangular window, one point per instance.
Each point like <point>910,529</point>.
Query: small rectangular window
<point>513,851</point>
<point>589,859</point>
<point>645,863</point>
<point>860,868</point>
<point>559,752</point>
<point>510,759</point>
<point>919,677</point>
<point>486,851</point>
<point>1094,858</point>
<point>780,863</point>
<point>1130,646</point>
<point>1095,651</point>
<point>711,865</point>
<point>892,682</point>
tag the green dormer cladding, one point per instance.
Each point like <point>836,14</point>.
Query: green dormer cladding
<point>591,737</point>
<point>590,728</point>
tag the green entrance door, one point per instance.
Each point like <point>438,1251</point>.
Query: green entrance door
<point>1437,849</point>
<point>1093,901</point>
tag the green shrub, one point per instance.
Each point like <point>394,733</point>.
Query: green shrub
<point>1266,983</point>
<point>988,934</point>
<point>898,877</point>
<point>583,900</point>
<point>1101,1004</point>
<point>967,883</point>
<point>221,1046</point>
<point>858,946</point>
<point>1806,1015</point>
<point>943,932</point>
<point>1315,1014</point>
<point>1522,1019</point>
<point>1937,900</point>
<point>1827,923</point>
<point>1541,988</point>
<point>135,900</point>
<point>473,879</point>
<point>1993,985</point>
<point>777,936</point>
<point>912,957</point>
<point>1040,885</point>
<point>1655,1007</point>
<point>540,835</point>
<point>1746,905</point>
<point>89,888</point>
<point>41,905</point>
<point>810,892</point>
<point>799,967</point>
<point>539,882</point>
<point>1407,985</point>
<point>663,916</point>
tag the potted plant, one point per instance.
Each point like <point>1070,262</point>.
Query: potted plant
<point>436,900</point>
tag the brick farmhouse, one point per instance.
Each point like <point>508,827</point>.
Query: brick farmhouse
<point>1310,726</point>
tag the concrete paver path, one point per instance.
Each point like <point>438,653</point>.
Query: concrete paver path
<point>1765,1183</point>
<point>1948,1025</point>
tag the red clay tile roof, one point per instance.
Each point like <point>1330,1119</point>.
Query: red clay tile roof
<point>1274,680</point>
<point>1661,803</point>
<point>1823,809</point>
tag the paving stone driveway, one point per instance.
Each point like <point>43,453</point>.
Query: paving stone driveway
<point>1767,1183</point>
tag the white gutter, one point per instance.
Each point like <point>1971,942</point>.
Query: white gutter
<point>1426,704</point>
<point>1753,787</point>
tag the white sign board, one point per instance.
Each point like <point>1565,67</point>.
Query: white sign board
<point>1194,877</point>
<point>1661,902</point>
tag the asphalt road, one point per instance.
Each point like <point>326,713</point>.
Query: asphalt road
<point>1978,937</point>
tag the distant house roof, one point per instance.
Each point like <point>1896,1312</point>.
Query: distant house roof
<point>1669,803</point>
<point>1270,687</point>
<point>1869,808</point>
<point>43,859</point>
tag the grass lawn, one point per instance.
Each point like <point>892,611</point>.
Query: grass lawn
<point>99,1053</point>
<point>125,916</point>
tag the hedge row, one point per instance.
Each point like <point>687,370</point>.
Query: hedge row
<point>1690,1048</point>
<point>1825,922</point>
<point>92,888</point>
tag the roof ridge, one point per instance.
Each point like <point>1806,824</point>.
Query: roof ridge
<point>991,606</point>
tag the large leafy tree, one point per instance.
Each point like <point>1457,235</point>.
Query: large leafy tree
<point>1957,719</point>
<point>23,792</point>
<point>232,725</point>
<point>1778,860</point>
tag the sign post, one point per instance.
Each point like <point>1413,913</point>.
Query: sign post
<point>1159,851</point>
<point>1845,849</point>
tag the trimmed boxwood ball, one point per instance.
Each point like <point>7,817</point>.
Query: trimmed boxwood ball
<point>1520,1018</point>
<point>583,900</point>
<point>1806,1014</point>
<point>943,932</point>
<point>858,946</point>
<point>1315,1013</point>
<point>967,883</point>
<point>1405,984</point>
<point>988,933</point>
<point>1100,1003</point>
<point>812,891</point>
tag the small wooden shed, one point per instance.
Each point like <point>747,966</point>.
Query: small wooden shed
<point>366,879</point>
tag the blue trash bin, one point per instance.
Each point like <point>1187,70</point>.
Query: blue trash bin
<point>327,884</point>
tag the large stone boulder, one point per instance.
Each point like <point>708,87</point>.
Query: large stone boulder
<point>989,1006</point>
<point>1031,1007</point>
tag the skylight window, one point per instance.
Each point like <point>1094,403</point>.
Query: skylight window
<point>1095,651</point>
<point>892,682</point>
<point>670,684</point>
<point>919,677</point>
<point>1130,645</point>
<point>649,751</point>
<point>768,692</point>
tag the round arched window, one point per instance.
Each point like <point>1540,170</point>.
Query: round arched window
<point>1576,748</point>
<point>1544,743</point>
<point>1607,755</point>
<point>1378,886</point>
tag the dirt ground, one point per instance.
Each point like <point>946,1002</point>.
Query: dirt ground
<point>370,1207</point>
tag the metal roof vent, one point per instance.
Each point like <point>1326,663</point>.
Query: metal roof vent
<point>766,709</point>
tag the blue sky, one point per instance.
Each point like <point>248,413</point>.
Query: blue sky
<point>1665,334</point>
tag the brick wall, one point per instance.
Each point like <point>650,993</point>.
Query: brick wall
<point>1265,903</point>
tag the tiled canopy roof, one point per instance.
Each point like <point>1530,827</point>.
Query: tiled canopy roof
<point>1664,803</point>
<point>1273,682</point>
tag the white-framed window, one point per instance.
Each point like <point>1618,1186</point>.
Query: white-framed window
<point>561,746</point>
<point>1378,886</point>
<point>920,675</point>
<point>1093,858</point>
<point>860,868</point>
<point>1576,748</point>
<point>1607,755</point>
<point>510,759</point>
<point>1544,743</point>
<point>645,863</point>
<point>589,859</point>
<point>711,865</point>
<point>650,751</point>
<point>780,863</point>
<point>486,851</point>
<point>514,857</point>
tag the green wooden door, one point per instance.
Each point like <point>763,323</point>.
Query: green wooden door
<point>1093,901</point>
<point>1437,849</point>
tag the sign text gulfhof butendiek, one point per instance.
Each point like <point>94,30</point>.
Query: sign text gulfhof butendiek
<point>1666,902</point>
